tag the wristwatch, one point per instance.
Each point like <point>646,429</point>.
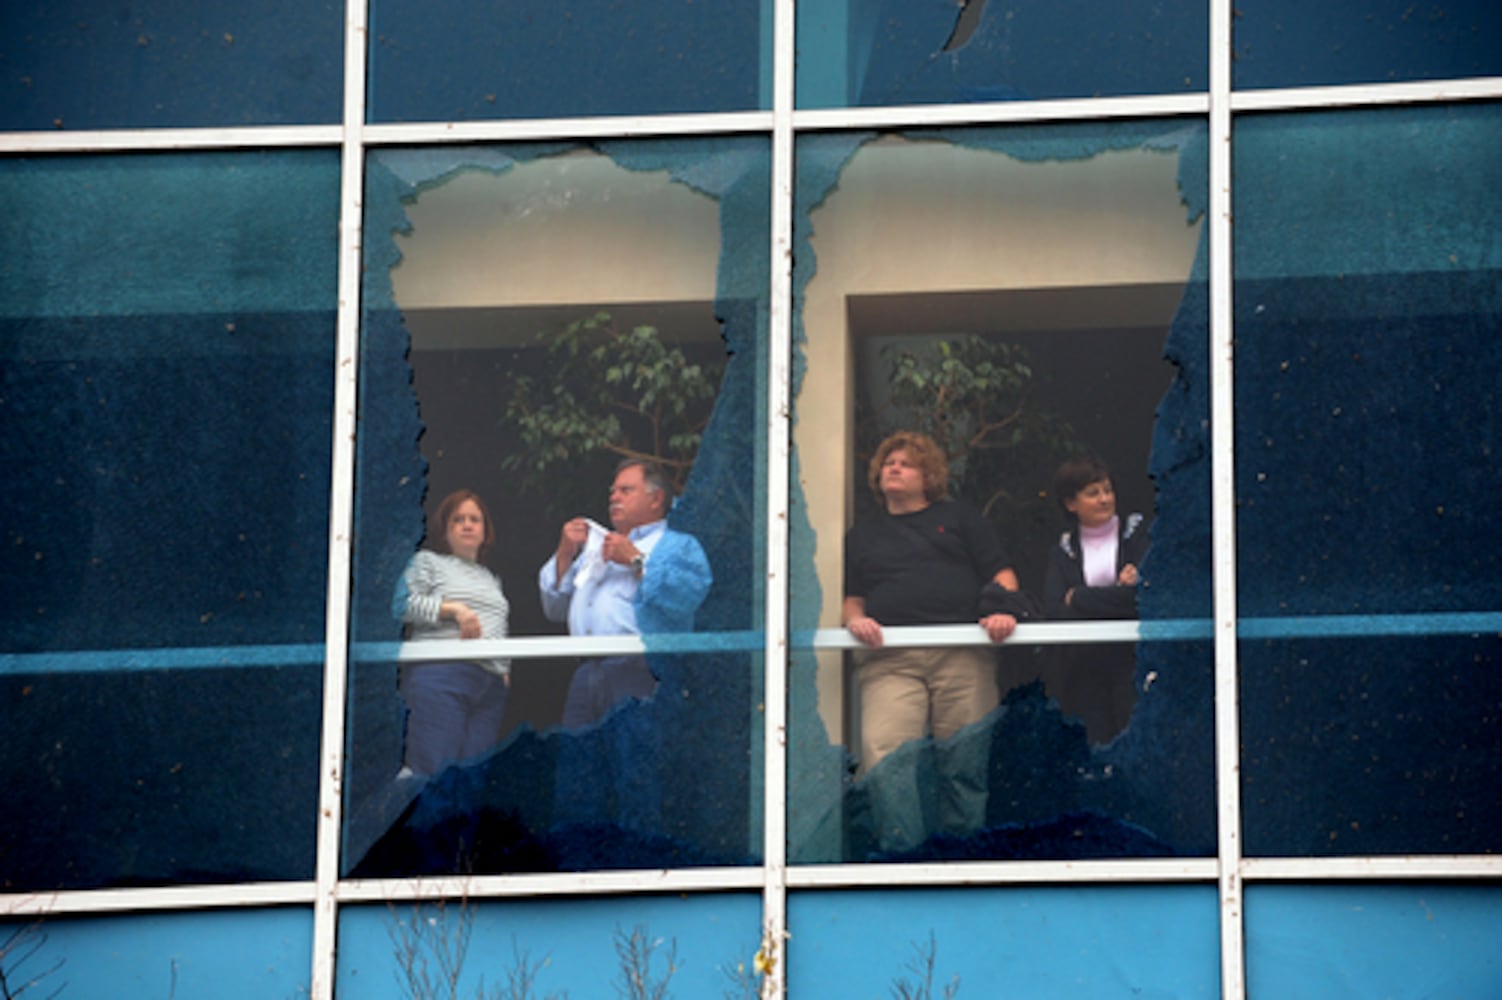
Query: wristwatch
<point>638,564</point>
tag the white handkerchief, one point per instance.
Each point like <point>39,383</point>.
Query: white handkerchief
<point>593,558</point>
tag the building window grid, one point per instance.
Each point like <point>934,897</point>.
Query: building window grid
<point>774,878</point>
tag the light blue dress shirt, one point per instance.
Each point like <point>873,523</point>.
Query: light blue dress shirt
<point>597,597</point>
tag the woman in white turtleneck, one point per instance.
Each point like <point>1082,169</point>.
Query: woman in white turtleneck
<point>1093,573</point>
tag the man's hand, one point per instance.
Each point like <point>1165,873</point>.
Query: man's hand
<point>1128,576</point>
<point>866,629</point>
<point>619,548</point>
<point>998,627</point>
<point>571,542</point>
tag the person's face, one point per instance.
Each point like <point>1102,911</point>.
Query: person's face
<point>1094,505</point>
<point>901,479</point>
<point>633,503</point>
<point>466,530</point>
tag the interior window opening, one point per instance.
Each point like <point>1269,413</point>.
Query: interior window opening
<point>1012,302</point>
<point>567,363</point>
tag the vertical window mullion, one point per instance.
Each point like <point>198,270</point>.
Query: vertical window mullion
<point>779,409</point>
<point>1222,499</point>
<point>341,507</point>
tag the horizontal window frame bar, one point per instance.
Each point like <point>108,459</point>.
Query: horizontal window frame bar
<point>1002,113</point>
<point>1408,867</point>
<point>1478,88</point>
<point>563,129</point>
<point>218,896</point>
<point>749,878</point>
<point>190,139</point>
<point>171,139</point>
<point>1377,626</point>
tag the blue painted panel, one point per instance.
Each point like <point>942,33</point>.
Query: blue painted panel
<point>225,954</point>
<point>572,944</point>
<point>1373,941</point>
<point>1160,942</point>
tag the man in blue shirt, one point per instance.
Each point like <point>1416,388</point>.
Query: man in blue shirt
<point>638,578</point>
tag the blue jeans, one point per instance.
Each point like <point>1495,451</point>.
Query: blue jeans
<point>454,712</point>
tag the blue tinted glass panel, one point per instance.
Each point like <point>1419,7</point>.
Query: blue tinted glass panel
<point>692,946</point>
<point>1018,941</point>
<point>1363,746</point>
<point>886,52</point>
<point>232,954</point>
<point>82,64</point>
<point>1280,43</point>
<point>167,340</point>
<point>458,61</point>
<point>1012,293</point>
<point>1367,269</point>
<point>556,310</point>
<point>1373,940</point>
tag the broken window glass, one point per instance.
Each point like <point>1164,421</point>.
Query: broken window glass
<point>889,52</point>
<point>1011,294</point>
<point>535,316</point>
<point>166,356</point>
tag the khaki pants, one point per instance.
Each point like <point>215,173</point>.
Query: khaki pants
<point>906,694</point>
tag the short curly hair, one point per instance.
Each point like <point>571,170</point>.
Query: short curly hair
<point>923,452</point>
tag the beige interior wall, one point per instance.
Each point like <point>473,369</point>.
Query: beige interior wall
<point>558,231</point>
<point>919,217</point>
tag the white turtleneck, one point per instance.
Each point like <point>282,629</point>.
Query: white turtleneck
<point>1098,552</point>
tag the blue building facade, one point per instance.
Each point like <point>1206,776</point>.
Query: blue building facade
<point>279,277</point>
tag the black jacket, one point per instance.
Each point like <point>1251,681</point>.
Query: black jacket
<point>1065,570</point>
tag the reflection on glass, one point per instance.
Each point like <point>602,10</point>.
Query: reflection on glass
<point>1282,43</point>
<point>1361,746</point>
<point>1367,351</point>
<point>612,794</point>
<point>580,360</point>
<point>82,65</point>
<point>166,371</point>
<point>1010,298</point>
<point>448,60</point>
<point>889,52</point>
